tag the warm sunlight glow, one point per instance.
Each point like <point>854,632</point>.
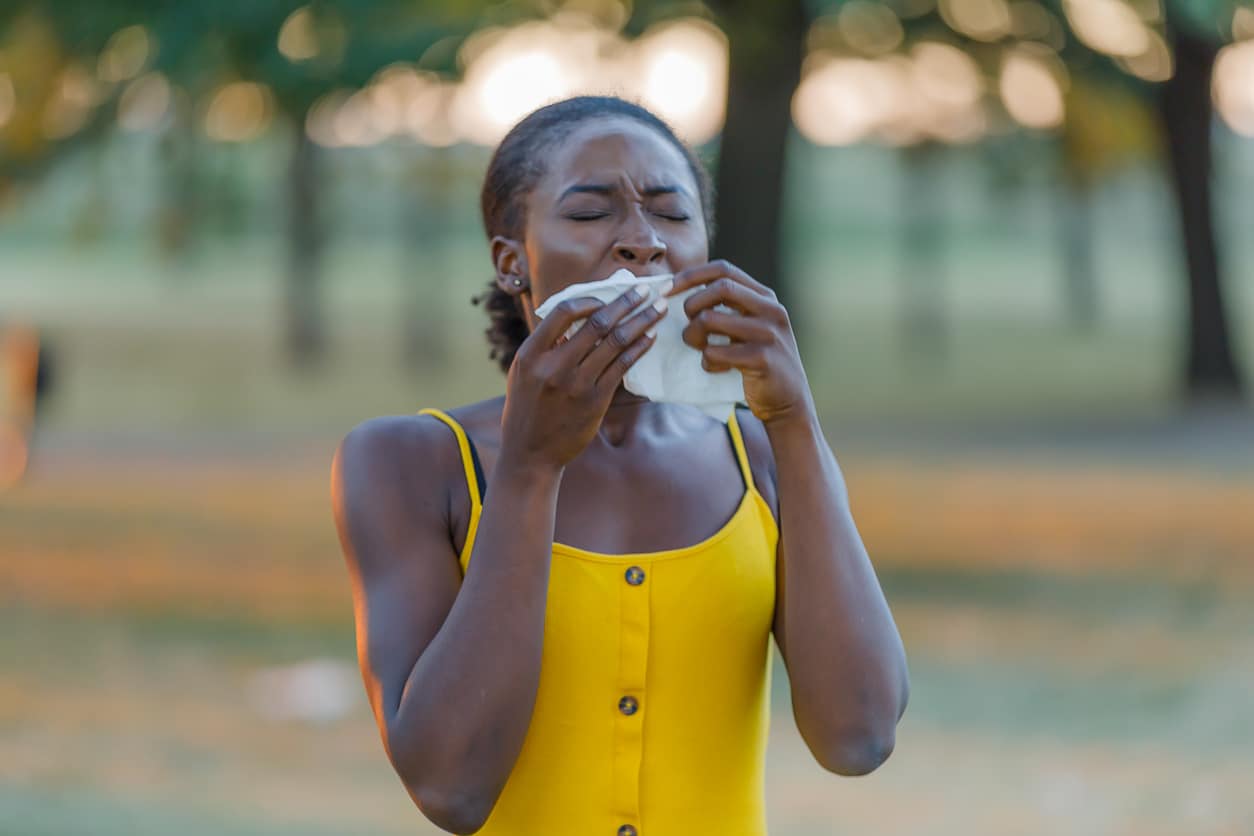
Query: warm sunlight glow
<point>297,39</point>
<point>67,112</point>
<point>428,115</point>
<point>517,72</point>
<point>145,103</point>
<point>1030,91</point>
<point>1243,23</point>
<point>400,101</point>
<point>238,112</point>
<point>677,69</point>
<point>320,123</point>
<point>984,20</point>
<point>869,27</point>
<point>1233,86</point>
<point>683,72</point>
<point>125,55</point>
<point>847,100</point>
<point>1109,26</point>
<point>946,74</point>
<point>937,92</point>
<point>8,99</point>
<point>1155,64</point>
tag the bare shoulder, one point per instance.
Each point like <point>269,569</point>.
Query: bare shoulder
<point>761,457</point>
<point>411,452</point>
<point>396,452</point>
<point>390,478</point>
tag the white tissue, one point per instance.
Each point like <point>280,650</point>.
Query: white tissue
<point>670,371</point>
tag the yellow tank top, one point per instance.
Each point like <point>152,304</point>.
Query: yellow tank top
<point>652,712</point>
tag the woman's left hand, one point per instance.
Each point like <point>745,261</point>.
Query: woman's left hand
<point>762,345</point>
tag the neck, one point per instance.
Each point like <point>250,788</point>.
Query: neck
<point>623,417</point>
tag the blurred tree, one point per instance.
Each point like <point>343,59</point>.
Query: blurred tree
<point>235,66</point>
<point>1107,127</point>
<point>1186,117</point>
<point>50,97</point>
<point>1171,74</point>
<point>924,337</point>
<point>766,41</point>
<point>766,44</point>
<point>425,229</point>
<point>240,63</point>
<point>302,53</point>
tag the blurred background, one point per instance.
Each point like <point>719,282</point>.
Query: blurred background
<point>1015,237</point>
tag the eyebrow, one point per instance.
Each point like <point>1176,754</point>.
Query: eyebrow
<point>605,189</point>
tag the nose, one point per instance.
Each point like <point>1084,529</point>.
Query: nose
<point>638,242</point>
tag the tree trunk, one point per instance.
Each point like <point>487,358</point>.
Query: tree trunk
<point>305,328</point>
<point>425,279</point>
<point>767,41</point>
<point>180,191</point>
<point>924,333</point>
<point>1185,111</point>
<point>1074,214</point>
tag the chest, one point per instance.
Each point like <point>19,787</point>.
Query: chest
<point>673,498</point>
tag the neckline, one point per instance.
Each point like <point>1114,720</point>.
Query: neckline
<point>664,554</point>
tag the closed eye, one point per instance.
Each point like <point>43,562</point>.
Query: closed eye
<point>678,217</point>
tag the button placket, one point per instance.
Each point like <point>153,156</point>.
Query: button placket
<point>630,707</point>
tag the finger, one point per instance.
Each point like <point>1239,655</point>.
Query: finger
<point>747,357</point>
<point>738,327</point>
<point>719,268</point>
<point>622,337</point>
<point>613,375</point>
<point>603,321</point>
<point>553,326</point>
<point>724,291</point>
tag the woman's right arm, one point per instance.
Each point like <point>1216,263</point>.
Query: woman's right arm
<point>452,665</point>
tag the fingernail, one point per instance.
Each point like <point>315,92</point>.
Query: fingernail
<point>651,331</point>
<point>665,287</point>
<point>642,290</point>
<point>660,305</point>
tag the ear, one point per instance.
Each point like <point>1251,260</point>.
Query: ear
<point>510,259</point>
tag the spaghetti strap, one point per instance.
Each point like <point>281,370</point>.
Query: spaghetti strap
<point>738,442</point>
<point>474,477</point>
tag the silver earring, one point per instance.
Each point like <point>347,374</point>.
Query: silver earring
<point>517,282</point>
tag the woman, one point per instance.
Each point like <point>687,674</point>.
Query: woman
<point>564,595</point>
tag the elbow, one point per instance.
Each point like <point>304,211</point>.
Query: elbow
<point>454,806</point>
<point>862,745</point>
<point>451,810</point>
<point>859,753</point>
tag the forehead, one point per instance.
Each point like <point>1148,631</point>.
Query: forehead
<point>607,149</point>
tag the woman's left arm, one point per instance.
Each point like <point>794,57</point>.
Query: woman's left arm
<point>845,659</point>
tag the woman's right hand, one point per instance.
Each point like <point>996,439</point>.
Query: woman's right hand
<point>559,389</point>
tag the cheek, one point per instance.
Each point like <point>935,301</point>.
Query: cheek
<point>559,255</point>
<point>689,249</point>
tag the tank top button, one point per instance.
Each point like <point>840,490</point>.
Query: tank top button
<point>627,830</point>
<point>628,705</point>
<point>635,576</point>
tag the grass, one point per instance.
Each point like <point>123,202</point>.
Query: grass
<point>1103,694</point>
<point>1070,573</point>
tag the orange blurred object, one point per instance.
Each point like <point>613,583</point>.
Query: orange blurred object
<point>19,353</point>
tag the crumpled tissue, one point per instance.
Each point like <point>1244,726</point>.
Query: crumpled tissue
<point>670,371</point>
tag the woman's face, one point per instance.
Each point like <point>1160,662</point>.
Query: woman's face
<point>616,194</point>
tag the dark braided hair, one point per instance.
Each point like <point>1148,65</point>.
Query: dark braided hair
<point>518,164</point>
